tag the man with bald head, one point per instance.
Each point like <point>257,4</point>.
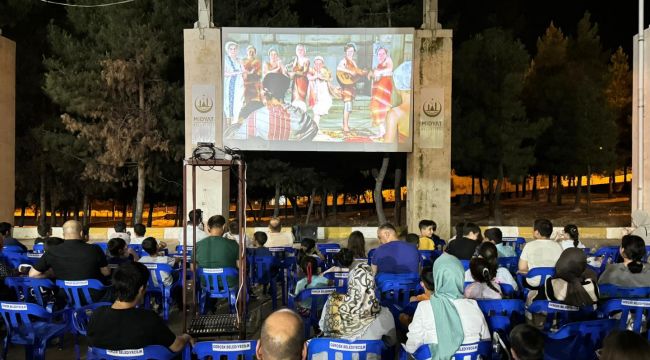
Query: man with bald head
<point>277,238</point>
<point>281,337</point>
<point>74,259</point>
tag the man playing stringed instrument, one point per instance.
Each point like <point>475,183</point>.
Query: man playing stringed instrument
<point>348,73</point>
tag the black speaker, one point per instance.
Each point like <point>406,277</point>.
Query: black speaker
<point>305,231</point>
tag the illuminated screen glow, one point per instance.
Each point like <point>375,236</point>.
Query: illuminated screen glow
<point>317,89</point>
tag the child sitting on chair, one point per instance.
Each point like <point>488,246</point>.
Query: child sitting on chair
<point>312,279</point>
<point>426,281</point>
<point>118,252</point>
<point>308,248</point>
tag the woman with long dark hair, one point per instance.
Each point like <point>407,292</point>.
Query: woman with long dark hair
<point>573,283</point>
<point>570,237</point>
<point>357,244</point>
<point>632,272</point>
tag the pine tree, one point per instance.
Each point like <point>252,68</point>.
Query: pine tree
<point>108,73</point>
<point>619,98</point>
<point>489,76</point>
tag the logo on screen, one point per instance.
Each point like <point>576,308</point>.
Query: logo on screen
<point>432,108</point>
<point>203,103</point>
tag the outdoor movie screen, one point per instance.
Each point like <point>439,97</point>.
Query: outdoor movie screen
<point>317,89</point>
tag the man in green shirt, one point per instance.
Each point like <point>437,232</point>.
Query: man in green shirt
<point>215,251</point>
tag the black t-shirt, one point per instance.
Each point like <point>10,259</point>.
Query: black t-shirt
<point>127,329</point>
<point>462,248</point>
<point>73,260</point>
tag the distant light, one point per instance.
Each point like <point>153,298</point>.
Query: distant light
<point>600,147</point>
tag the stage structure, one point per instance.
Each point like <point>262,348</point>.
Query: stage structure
<point>7,128</point>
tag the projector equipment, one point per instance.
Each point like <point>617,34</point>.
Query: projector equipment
<point>204,151</point>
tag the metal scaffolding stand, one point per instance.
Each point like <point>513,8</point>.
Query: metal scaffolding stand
<point>220,324</point>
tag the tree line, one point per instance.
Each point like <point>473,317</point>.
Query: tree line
<point>100,107</point>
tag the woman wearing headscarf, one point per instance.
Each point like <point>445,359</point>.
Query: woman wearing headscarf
<point>357,314</point>
<point>447,312</point>
<point>573,284</point>
<point>641,224</point>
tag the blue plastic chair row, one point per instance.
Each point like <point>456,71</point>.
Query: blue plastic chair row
<point>632,312</point>
<point>214,285</point>
<point>158,290</point>
<point>516,242</point>
<point>338,278</point>
<point>315,299</point>
<point>153,352</point>
<point>329,250</point>
<point>474,351</point>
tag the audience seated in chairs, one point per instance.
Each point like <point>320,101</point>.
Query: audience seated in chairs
<point>119,252</point>
<point>526,343</point>
<point>569,237</point>
<point>200,234</point>
<point>625,345</point>
<point>7,239</point>
<point>357,244</point>
<point>278,238</point>
<point>310,276</point>
<point>308,248</point>
<point>281,337</point>
<point>458,320</point>
<point>485,285</point>
<point>426,281</point>
<point>52,241</point>
<point>120,232</point>
<point>463,248</point>
<point>151,247</point>
<point>541,252</point>
<point>74,259</point>
<point>343,259</point>
<point>215,251</point>
<point>499,274</point>
<point>632,272</point>
<point>413,239</point>
<point>394,256</point>
<point>124,326</point>
<point>494,235</point>
<point>357,315</point>
<point>428,238</point>
<point>259,240</point>
<point>233,234</point>
<point>44,232</point>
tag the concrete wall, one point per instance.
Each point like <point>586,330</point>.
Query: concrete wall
<point>7,128</point>
<point>646,126</point>
<point>428,167</point>
<point>202,56</point>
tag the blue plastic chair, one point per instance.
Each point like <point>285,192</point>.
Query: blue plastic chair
<point>647,254</point>
<point>503,315</point>
<point>80,318</point>
<point>31,326</point>
<point>371,253</point>
<point>38,248</point>
<point>15,259</point>
<point>78,292</point>
<point>179,250</point>
<point>558,314</point>
<point>231,350</point>
<point>317,297</point>
<point>347,349</point>
<point>137,248</point>
<point>13,249</point>
<point>578,340</point>
<point>542,272</point>
<point>609,254</point>
<point>329,250</point>
<point>287,262</point>
<point>517,242</point>
<point>474,351</point>
<point>511,263</point>
<point>33,290</point>
<point>103,246</point>
<point>156,288</point>
<point>397,289</point>
<point>465,264</point>
<point>264,271</point>
<point>613,291</point>
<point>338,278</point>
<point>637,310</point>
<point>214,285</point>
<point>153,352</point>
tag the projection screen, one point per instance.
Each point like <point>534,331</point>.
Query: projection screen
<point>318,89</point>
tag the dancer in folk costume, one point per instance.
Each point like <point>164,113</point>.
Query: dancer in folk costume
<point>233,84</point>
<point>299,68</point>
<point>320,89</point>
<point>382,89</point>
<point>252,76</point>
<point>274,65</point>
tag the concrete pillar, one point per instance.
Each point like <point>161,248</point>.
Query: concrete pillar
<point>7,128</point>
<point>646,127</point>
<point>429,165</point>
<point>204,118</point>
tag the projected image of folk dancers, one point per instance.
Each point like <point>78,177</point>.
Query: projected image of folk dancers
<point>341,88</point>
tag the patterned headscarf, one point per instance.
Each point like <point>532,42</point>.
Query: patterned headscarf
<point>349,316</point>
